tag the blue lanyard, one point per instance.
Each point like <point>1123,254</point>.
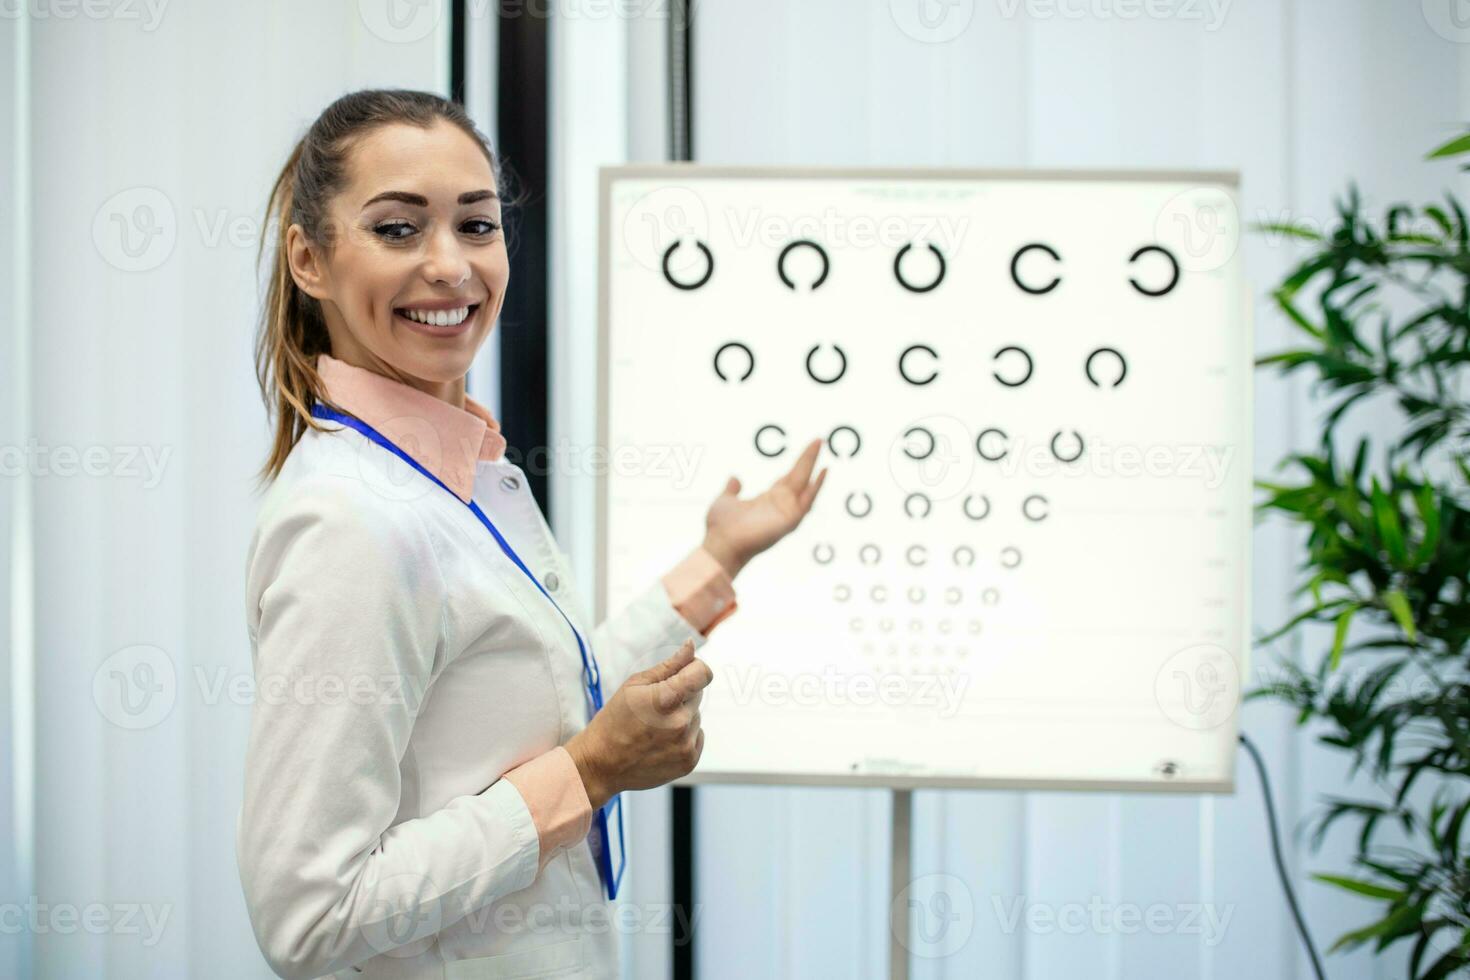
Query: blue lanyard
<point>591,674</point>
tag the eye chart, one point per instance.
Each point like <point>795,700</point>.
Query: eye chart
<point>1029,564</point>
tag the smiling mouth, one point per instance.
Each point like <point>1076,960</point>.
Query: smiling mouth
<point>438,320</point>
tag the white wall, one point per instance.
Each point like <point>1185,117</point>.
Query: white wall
<point>191,114</point>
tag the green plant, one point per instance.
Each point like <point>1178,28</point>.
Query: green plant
<point>1384,313</point>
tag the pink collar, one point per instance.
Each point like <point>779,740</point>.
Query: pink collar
<point>446,441</point>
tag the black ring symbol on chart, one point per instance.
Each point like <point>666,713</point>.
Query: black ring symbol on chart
<point>928,505</point>
<point>822,553</point>
<point>879,593</point>
<point>980,445</point>
<point>760,449</point>
<point>1010,557</point>
<point>903,369</point>
<point>909,554</point>
<point>1026,507</point>
<point>926,453</point>
<point>749,359</point>
<point>916,593</point>
<point>1075,456</point>
<point>1173,265</point>
<point>840,371</point>
<point>709,266</point>
<point>952,595</point>
<point>1030,366</point>
<point>1122,366</point>
<point>966,550</point>
<point>898,269</point>
<point>841,592</point>
<point>990,597</point>
<point>800,243</point>
<point>855,513</point>
<point>966,507</point>
<point>863,554</point>
<point>857,440</point>
<point>1016,269</point>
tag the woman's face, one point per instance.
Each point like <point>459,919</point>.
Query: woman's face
<point>415,236</point>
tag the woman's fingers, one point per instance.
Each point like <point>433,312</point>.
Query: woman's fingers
<point>801,471</point>
<point>809,495</point>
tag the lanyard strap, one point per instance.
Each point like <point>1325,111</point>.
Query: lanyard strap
<point>591,673</point>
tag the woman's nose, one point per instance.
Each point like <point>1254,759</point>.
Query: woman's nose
<point>446,262</point>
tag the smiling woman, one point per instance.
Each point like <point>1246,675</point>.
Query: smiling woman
<point>444,767</point>
<point>390,252</point>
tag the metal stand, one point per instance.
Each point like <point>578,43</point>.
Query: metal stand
<point>900,873</point>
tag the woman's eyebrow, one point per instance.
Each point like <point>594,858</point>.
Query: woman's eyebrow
<point>418,200</point>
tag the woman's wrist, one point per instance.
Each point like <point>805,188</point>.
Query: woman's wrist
<point>724,554</point>
<point>597,791</point>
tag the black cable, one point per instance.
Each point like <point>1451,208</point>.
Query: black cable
<point>1296,912</point>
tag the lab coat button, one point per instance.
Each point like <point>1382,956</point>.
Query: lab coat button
<point>552,581</point>
<point>509,483</point>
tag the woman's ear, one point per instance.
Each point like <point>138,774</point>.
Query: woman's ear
<point>305,262</point>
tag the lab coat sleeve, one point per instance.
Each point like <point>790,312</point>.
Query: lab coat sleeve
<point>346,606</point>
<point>685,603</point>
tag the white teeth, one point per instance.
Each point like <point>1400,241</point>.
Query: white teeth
<point>439,318</point>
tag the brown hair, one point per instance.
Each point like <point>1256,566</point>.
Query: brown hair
<point>292,330</point>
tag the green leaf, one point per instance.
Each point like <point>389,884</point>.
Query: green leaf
<point>1456,146</point>
<point>1398,604</point>
<point>1344,620</point>
<point>1395,923</point>
<point>1361,887</point>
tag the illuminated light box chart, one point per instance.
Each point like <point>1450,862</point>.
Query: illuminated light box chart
<point>1029,565</point>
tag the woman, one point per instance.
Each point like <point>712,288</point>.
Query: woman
<point>431,758</point>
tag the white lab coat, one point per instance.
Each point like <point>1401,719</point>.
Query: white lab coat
<point>403,664</point>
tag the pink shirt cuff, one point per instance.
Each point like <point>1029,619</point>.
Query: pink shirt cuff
<point>557,799</point>
<point>701,590</point>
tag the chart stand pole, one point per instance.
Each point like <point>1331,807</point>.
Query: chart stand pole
<point>900,873</point>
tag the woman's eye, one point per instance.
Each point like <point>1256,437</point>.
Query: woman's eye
<point>395,230</point>
<point>481,226</point>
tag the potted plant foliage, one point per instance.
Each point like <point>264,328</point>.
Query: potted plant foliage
<point>1383,313</point>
